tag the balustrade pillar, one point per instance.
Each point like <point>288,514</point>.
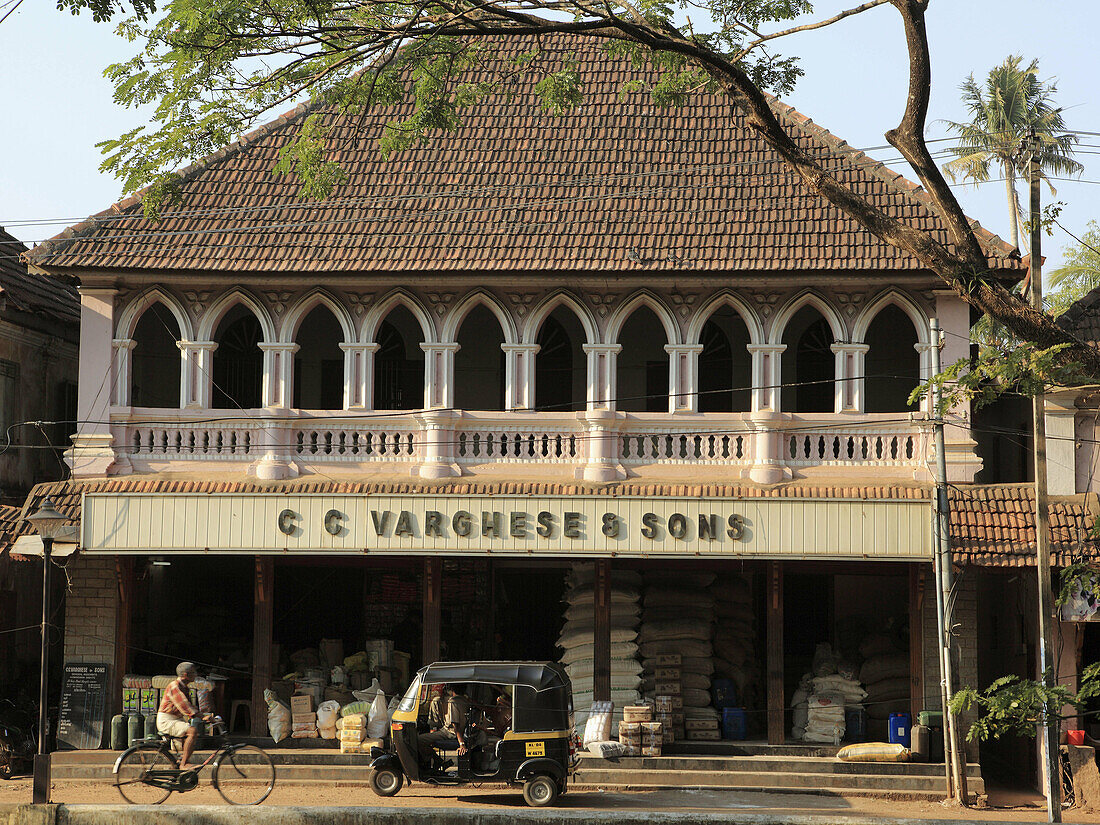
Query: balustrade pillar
<point>767,461</point>
<point>602,376</point>
<point>278,383</point>
<point>850,384</point>
<point>519,376</point>
<point>601,446</point>
<point>439,375</point>
<point>683,377</point>
<point>437,444</point>
<point>359,376</point>
<point>123,369</point>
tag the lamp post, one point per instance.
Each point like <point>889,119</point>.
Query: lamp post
<point>47,522</point>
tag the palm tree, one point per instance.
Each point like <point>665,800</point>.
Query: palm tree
<point>1011,103</point>
<point>1079,275</point>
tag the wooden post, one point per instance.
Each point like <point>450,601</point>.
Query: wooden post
<point>777,717</point>
<point>601,639</point>
<point>916,639</point>
<point>263,621</point>
<point>433,594</point>
<point>124,572</point>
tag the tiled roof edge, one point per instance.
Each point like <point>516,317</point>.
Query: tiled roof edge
<point>55,245</point>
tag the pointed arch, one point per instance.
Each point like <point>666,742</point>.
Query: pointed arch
<point>217,310</point>
<point>644,297</point>
<point>128,319</point>
<point>457,315</point>
<point>807,297</point>
<point>547,305</point>
<point>902,302</point>
<point>725,298</point>
<point>397,297</point>
<point>309,302</point>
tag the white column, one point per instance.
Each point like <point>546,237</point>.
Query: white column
<point>925,353</point>
<point>519,376</point>
<point>92,453</point>
<point>683,377</point>
<point>438,428</point>
<point>359,376</point>
<point>123,379</point>
<point>196,373</point>
<point>766,376</point>
<point>278,384</point>
<point>849,385</point>
<point>963,462</point>
<point>1061,414</point>
<point>602,359</point>
<point>439,375</point>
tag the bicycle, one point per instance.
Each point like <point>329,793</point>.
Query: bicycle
<point>148,772</point>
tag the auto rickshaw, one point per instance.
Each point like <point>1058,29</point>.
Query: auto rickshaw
<point>538,750</point>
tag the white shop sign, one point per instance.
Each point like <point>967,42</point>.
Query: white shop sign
<point>505,525</point>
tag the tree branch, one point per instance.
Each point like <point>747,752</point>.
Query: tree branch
<point>836,18</point>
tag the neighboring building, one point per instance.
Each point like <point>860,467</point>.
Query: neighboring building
<point>39,329</point>
<point>299,419</point>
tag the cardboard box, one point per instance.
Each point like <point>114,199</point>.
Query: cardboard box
<point>651,750</point>
<point>131,700</point>
<point>668,736</point>
<point>669,660</point>
<point>651,728</point>
<point>301,703</point>
<point>667,674</point>
<point>667,689</point>
<point>349,735</point>
<point>663,704</point>
<point>150,700</point>
<point>678,733</point>
<point>677,703</point>
<point>703,735</point>
<point>678,718</point>
<point>352,747</point>
<point>700,724</point>
<point>295,718</point>
<point>637,713</point>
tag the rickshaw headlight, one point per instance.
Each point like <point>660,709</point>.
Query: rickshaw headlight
<point>397,725</point>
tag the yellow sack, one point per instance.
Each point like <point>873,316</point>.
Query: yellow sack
<point>874,752</point>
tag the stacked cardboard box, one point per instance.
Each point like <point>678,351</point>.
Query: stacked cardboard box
<point>702,729</point>
<point>668,698</point>
<point>303,718</point>
<point>639,733</point>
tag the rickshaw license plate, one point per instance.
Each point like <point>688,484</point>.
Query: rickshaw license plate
<point>536,749</point>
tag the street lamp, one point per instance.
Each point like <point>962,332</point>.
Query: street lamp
<point>48,523</point>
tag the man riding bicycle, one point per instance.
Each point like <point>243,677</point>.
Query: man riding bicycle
<point>175,714</point>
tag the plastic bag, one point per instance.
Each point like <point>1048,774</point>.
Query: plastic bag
<point>607,750</point>
<point>378,722</point>
<point>339,675</point>
<point>327,712</point>
<point>368,694</point>
<point>598,726</point>
<point>278,716</point>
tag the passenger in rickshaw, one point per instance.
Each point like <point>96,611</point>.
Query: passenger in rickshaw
<point>453,732</point>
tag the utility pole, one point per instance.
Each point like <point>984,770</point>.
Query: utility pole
<point>941,561</point>
<point>1051,729</point>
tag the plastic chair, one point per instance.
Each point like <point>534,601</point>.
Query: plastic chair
<point>237,705</point>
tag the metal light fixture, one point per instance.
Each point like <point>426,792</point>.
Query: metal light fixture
<point>48,522</point>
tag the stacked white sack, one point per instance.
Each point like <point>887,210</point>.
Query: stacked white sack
<point>576,639</point>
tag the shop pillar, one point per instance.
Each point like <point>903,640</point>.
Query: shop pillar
<point>124,573</point>
<point>917,579</point>
<point>777,720</point>
<point>433,615</point>
<point>601,639</point>
<point>263,620</point>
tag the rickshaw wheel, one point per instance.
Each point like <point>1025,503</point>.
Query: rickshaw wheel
<point>385,782</point>
<point>540,791</point>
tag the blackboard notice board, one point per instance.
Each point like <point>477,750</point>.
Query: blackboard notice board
<point>83,704</point>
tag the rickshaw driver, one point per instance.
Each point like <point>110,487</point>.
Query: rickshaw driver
<point>452,734</point>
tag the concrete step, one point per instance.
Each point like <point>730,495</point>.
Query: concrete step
<point>755,764</point>
<point>719,779</point>
<point>916,796</point>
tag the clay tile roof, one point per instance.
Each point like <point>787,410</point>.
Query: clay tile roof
<point>1082,319</point>
<point>35,293</point>
<point>994,525</point>
<point>12,527</point>
<point>619,185</point>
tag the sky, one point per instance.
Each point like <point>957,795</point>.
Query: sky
<point>60,105</point>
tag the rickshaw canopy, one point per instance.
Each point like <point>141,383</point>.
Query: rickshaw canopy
<point>539,676</point>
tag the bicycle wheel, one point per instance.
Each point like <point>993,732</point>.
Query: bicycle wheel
<point>244,775</point>
<point>133,774</point>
